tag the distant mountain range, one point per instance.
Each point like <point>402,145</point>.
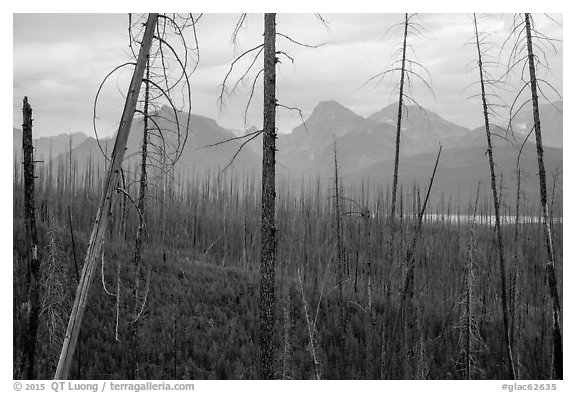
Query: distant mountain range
<point>195,156</point>
<point>48,147</point>
<point>363,142</point>
<point>364,147</point>
<point>365,150</point>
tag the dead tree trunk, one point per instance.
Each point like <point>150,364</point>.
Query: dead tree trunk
<point>341,317</point>
<point>140,230</point>
<point>515,291</point>
<point>392,240</point>
<point>399,120</point>
<point>469,278</point>
<point>407,302</point>
<point>407,306</point>
<point>339,245</point>
<point>268,229</point>
<point>370,320</point>
<point>500,244</point>
<point>550,268</point>
<point>107,199</point>
<point>33,265</point>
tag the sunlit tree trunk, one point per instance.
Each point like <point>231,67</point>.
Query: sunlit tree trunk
<point>110,186</point>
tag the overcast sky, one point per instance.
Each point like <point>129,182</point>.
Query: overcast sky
<point>60,60</point>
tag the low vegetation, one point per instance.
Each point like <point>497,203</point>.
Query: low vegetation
<point>201,316</point>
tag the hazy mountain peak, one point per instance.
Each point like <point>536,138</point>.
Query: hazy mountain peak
<point>332,110</point>
<point>191,120</point>
<point>389,114</point>
<point>329,105</point>
<point>330,118</point>
<point>49,146</point>
<point>420,122</point>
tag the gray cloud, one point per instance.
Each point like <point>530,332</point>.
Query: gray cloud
<point>60,60</point>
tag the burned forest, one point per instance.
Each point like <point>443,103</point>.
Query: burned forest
<point>288,196</point>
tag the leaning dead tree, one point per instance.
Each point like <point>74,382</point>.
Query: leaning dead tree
<point>111,184</point>
<point>165,119</point>
<point>528,53</point>
<point>407,307</point>
<point>32,305</point>
<point>164,134</point>
<point>484,82</point>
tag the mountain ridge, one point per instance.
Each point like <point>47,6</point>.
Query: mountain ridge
<point>364,146</point>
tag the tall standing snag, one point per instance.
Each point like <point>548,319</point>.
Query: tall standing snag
<point>407,305</point>
<point>399,121</point>
<point>268,238</point>
<point>33,265</point>
<point>141,223</point>
<point>408,69</point>
<point>550,268</point>
<point>110,186</point>
<point>397,157</point>
<point>268,229</point>
<point>499,237</point>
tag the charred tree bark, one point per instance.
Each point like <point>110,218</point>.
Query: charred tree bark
<point>499,240</point>
<point>268,228</point>
<point>550,268</point>
<point>107,200</point>
<point>33,265</point>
